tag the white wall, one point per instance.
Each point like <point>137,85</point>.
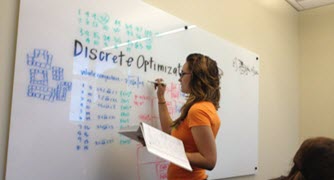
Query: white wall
<point>8,24</point>
<point>268,28</point>
<point>317,72</point>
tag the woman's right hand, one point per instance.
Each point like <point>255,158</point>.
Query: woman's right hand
<point>161,89</point>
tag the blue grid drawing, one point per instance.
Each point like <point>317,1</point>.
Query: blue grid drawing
<point>41,92</point>
<point>40,62</point>
<point>39,77</point>
<point>57,73</point>
<point>40,58</point>
<point>62,89</point>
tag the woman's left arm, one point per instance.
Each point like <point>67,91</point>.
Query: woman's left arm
<point>206,144</point>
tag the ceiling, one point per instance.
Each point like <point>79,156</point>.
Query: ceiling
<point>301,5</point>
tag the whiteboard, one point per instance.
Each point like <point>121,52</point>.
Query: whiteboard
<point>81,75</point>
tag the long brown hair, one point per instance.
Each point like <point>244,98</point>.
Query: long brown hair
<point>204,84</point>
<point>314,160</point>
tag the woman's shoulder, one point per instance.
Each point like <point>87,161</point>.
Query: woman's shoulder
<point>202,105</point>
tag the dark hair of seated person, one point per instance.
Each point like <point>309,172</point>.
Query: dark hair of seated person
<point>314,160</point>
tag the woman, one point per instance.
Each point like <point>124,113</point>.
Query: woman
<point>198,123</point>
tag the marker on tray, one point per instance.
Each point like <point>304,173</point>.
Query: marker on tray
<point>155,83</point>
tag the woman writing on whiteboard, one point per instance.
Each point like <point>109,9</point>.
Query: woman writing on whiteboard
<point>198,123</point>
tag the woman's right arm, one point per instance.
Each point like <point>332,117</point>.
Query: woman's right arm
<point>165,119</point>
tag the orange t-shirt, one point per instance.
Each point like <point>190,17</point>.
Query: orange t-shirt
<point>200,114</point>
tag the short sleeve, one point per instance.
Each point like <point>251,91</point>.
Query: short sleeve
<point>198,115</point>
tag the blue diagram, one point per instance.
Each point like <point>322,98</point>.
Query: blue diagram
<point>46,81</point>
